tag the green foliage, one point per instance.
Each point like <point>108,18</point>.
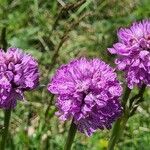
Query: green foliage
<point>38,27</point>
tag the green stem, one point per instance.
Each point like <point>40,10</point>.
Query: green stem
<point>118,126</point>
<point>6,126</point>
<point>125,96</point>
<point>133,105</point>
<point>3,39</point>
<point>117,131</point>
<point>137,97</point>
<point>71,136</point>
<point>114,135</point>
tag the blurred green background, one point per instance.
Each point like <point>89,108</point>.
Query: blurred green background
<point>55,31</point>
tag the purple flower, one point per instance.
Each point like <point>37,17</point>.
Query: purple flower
<point>133,50</point>
<point>88,91</point>
<point>18,73</point>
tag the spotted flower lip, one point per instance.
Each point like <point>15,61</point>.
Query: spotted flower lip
<point>88,91</point>
<point>133,53</point>
<point>18,73</point>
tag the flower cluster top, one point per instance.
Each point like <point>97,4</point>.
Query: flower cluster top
<point>87,90</point>
<point>133,50</point>
<point>18,73</point>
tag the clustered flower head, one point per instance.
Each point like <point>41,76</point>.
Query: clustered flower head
<point>18,73</point>
<point>87,90</point>
<point>133,50</point>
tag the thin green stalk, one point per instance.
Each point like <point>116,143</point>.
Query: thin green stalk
<point>6,126</point>
<point>120,124</point>
<point>3,39</point>
<point>125,96</point>
<point>71,136</point>
<point>117,131</point>
<point>115,134</point>
<point>133,105</point>
<point>117,128</point>
<point>137,98</point>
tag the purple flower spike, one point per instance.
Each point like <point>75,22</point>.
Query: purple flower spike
<point>18,73</point>
<point>88,91</point>
<point>133,50</point>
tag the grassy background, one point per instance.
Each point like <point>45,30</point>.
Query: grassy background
<point>55,31</point>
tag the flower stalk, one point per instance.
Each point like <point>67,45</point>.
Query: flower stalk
<point>120,124</point>
<point>71,136</point>
<point>6,127</point>
<point>117,131</point>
